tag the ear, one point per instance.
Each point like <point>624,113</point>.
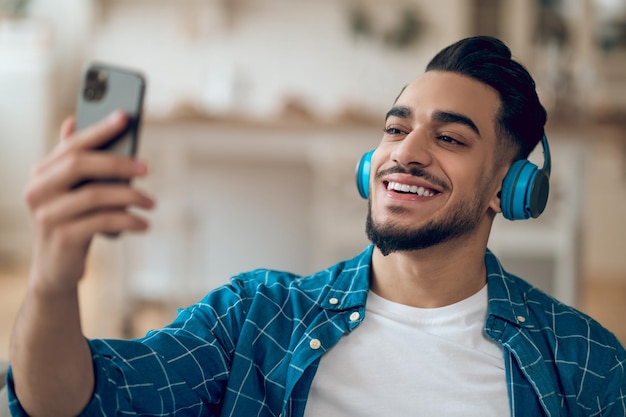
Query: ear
<point>495,203</point>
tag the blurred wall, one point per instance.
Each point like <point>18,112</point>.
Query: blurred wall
<point>250,56</point>
<point>260,60</point>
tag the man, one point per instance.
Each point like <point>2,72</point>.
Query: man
<point>423,322</point>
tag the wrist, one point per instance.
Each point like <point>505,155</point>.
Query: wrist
<point>45,287</point>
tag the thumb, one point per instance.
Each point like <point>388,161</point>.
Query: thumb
<point>67,127</point>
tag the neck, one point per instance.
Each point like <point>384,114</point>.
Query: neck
<point>432,277</point>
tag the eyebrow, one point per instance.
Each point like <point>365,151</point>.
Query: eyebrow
<point>402,112</point>
<point>440,116</point>
<point>451,117</point>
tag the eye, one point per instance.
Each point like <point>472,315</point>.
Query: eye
<point>392,131</point>
<point>449,140</point>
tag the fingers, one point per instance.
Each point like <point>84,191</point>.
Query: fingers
<point>110,223</point>
<point>65,223</point>
<point>60,250</point>
<point>74,161</point>
<point>86,139</point>
<point>100,132</point>
<point>96,200</point>
<point>65,216</point>
<point>78,167</point>
<point>67,128</point>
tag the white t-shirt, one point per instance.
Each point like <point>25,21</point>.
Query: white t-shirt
<point>406,361</point>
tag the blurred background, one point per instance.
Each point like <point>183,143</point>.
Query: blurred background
<point>256,114</point>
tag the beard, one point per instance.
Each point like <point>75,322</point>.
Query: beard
<point>392,237</point>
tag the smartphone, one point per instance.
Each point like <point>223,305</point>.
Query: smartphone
<point>105,88</point>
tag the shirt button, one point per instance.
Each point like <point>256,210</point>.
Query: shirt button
<point>521,319</point>
<point>334,301</point>
<point>315,344</point>
<point>355,316</point>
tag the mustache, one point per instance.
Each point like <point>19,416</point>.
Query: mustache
<point>413,171</point>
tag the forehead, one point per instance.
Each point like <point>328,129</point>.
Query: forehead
<point>447,91</point>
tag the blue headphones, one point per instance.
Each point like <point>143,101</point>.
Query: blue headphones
<point>524,190</point>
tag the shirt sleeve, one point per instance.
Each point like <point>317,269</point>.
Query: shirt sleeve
<point>180,369</point>
<point>613,397</point>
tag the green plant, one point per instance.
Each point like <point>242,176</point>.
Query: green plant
<point>14,7</point>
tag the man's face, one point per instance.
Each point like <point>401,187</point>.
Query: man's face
<point>434,175</point>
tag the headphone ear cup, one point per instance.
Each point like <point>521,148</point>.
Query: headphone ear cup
<point>525,187</point>
<point>538,197</point>
<point>363,168</point>
<point>515,188</point>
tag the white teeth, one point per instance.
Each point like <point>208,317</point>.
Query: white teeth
<point>421,191</point>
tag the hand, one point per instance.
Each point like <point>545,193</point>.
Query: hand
<point>65,217</point>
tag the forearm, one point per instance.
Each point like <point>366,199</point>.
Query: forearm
<point>50,358</point>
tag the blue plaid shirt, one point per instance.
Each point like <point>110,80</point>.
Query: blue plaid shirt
<point>251,348</point>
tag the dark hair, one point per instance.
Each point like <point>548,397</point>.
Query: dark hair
<point>521,118</point>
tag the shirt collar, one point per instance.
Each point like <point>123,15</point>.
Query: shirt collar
<point>350,283</point>
<point>506,296</point>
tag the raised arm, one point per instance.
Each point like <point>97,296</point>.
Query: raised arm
<point>50,358</point>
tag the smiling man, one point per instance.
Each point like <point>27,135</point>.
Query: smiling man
<point>423,322</point>
<point>433,144</point>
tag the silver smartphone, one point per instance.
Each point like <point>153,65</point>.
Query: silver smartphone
<point>105,88</point>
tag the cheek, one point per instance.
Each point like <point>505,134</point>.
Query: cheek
<point>478,180</point>
<point>378,158</point>
<point>377,163</point>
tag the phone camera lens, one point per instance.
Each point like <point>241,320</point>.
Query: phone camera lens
<point>95,87</point>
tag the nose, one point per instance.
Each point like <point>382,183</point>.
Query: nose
<point>414,149</point>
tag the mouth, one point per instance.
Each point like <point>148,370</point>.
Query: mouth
<point>409,189</point>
